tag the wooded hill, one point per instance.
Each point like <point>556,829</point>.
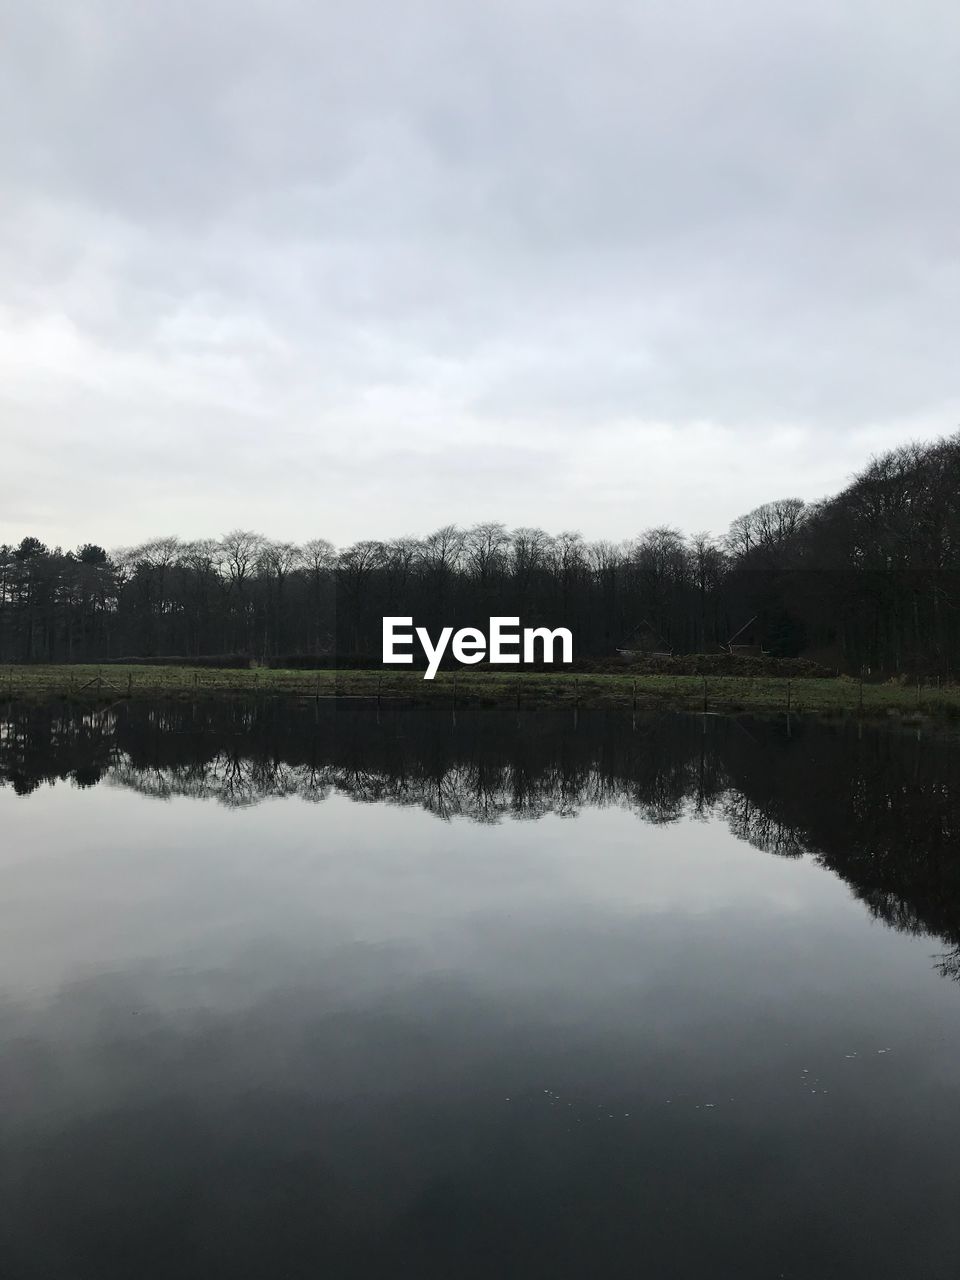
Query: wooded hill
<point>868,579</point>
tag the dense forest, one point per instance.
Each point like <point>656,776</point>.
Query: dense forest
<point>866,580</point>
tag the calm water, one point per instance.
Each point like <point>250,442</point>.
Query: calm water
<point>287,993</point>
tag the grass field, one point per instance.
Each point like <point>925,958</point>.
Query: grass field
<point>720,693</point>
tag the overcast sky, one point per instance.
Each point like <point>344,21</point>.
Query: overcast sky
<point>356,270</point>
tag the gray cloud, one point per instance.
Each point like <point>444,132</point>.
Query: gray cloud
<point>357,270</point>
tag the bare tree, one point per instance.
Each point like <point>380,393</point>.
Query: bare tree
<point>277,560</point>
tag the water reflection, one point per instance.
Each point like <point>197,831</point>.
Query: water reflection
<point>377,993</point>
<point>877,807</point>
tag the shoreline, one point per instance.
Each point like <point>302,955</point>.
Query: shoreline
<point>90,683</point>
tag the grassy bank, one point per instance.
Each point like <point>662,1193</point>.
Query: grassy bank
<point>722,693</point>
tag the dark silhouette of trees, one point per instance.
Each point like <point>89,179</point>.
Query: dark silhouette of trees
<point>866,580</point>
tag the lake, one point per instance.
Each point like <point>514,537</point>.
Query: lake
<point>337,990</point>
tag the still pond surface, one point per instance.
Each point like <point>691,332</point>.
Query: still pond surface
<point>291,992</point>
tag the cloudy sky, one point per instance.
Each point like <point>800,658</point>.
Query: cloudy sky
<point>360,270</point>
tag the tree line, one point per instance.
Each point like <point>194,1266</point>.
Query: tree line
<point>867,579</point>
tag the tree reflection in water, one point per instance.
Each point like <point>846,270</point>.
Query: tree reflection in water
<point>880,808</point>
